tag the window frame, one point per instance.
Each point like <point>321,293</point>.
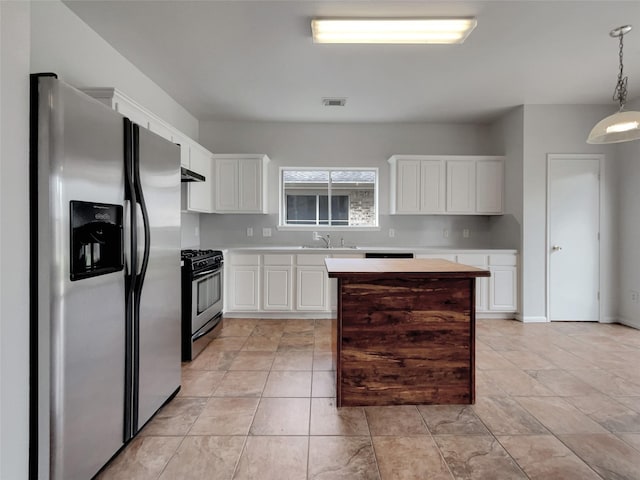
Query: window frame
<point>282,201</point>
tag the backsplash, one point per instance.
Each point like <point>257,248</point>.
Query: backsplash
<point>189,230</point>
<point>223,231</point>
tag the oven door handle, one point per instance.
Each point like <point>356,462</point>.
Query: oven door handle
<point>206,273</point>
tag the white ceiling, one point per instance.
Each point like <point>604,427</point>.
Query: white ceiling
<point>254,60</point>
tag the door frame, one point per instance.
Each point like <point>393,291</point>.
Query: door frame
<point>577,156</point>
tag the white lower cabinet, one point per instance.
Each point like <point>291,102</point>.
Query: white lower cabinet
<point>277,283</point>
<point>482,283</point>
<point>311,283</point>
<point>311,286</point>
<point>503,283</point>
<point>503,290</point>
<point>245,288</point>
<point>243,284</point>
<point>291,283</point>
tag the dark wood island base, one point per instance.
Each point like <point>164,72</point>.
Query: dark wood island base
<point>406,331</point>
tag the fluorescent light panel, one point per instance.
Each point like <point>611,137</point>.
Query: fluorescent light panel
<point>379,30</point>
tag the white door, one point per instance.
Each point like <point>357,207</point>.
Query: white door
<point>574,225</point>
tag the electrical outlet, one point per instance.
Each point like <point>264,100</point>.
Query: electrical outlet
<point>465,233</point>
<point>445,233</point>
<point>635,296</point>
<point>392,233</point>
<point>249,231</point>
<point>266,232</point>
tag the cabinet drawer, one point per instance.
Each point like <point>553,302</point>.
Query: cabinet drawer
<point>245,260</point>
<point>310,259</point>
<point>505,259</point>
<point>472,259</point>
<point>277,259</point>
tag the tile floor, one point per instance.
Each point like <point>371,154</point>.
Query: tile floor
<point>554,402</point>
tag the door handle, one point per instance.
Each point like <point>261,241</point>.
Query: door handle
<point>556,248</point>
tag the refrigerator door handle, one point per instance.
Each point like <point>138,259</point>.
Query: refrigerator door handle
<point>139,276</point>
<point>143,207</point>
<point>130,278</point>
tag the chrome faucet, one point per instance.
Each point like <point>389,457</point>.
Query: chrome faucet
<point>325,238</point>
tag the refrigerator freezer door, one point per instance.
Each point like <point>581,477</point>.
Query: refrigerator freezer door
<point>159,320</point>
<point>81,326</point>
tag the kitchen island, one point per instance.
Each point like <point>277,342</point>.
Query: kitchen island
<point>406,331</point>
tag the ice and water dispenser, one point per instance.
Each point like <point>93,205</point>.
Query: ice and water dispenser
<point>96,239</point>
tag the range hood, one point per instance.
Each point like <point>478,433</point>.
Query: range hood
<point>187,175</point>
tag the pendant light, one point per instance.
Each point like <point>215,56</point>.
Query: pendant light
<point>621,126</point>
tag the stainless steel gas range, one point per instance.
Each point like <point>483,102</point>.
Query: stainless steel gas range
<point>202,299</point>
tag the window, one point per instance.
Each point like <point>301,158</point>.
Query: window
<point>335,198</point>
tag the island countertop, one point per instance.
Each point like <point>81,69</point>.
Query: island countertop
<point>341,267</point>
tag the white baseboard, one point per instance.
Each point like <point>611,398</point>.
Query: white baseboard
<point>524,319</point>
<point>629,322</point>
<point>609,320</point>
<point>494,315</point>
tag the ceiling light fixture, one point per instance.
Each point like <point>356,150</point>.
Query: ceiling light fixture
<point>399,30</point>
<point>621,126</point>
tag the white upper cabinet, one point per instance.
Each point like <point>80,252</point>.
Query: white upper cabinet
<point>417,186</point>
<point>200,198</point>
<point>432,195</point>
<point>461,186</point>
<point>408,186</point>
<point>197,196</point>
<point>124,105</point>
<point>455,185</point>
<point>240,183</point>
<point>489,186</point>
<point>185,149</point>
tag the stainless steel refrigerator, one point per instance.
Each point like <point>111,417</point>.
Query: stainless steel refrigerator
<point>105,280</point>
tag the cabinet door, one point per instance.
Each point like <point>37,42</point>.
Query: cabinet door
<point>489,186</point>
<point>276,288</point>
<point>503,289</point>
<point>432,186</point>
<point>482,294</point>
<point>226,185</point>
<point>200,193</point>
<point>185,150</point>
<point>408,186</point>
<point>461,186</point>
<point>311,288</point>
<point>244,288</point>
<point>250,185</point>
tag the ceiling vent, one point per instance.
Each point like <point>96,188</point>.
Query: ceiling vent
<point>334,102</point>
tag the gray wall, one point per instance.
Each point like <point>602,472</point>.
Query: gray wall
<point>14,239</point>
<point>62,43</point>
<point>628,159</point>
<point>355,145</point>
<point>561,129</point>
